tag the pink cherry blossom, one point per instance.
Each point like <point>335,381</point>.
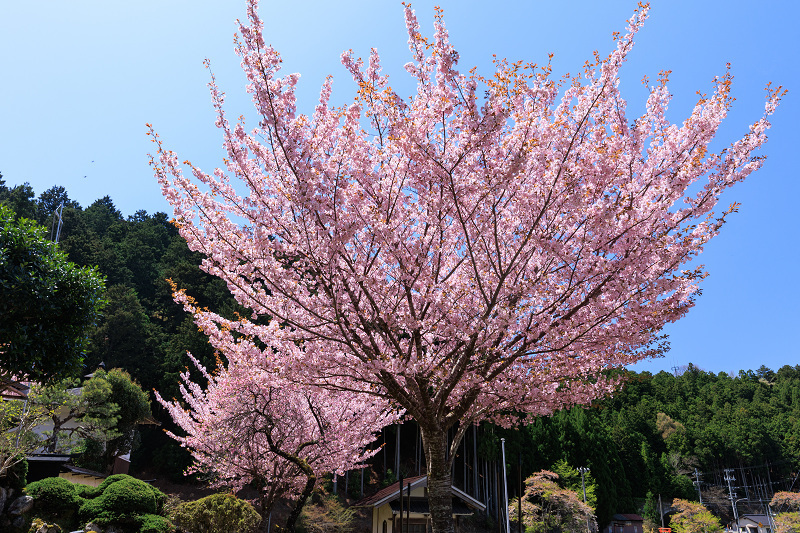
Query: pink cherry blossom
<point>487,248</point>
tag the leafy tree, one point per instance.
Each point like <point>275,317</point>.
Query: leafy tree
<point>76,412</point>
<point>475,251</point>
<point>17,438</point>
<point>134,408</point>
<point>692,517</point>
<point>52,199</point>
<point>47,303</point>
<point>570,478</point>
<point>126,338</point>
<point>787,506</point>
<point>19,199</point>
<point>546,506</point>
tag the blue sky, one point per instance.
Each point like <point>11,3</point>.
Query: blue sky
<point>80,79</point>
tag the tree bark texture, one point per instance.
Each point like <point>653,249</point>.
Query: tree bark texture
<point>440,499</point>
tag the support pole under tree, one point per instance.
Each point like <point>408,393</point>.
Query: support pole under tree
<point>505,486</point>
<point>475,491</point>
<point>583,470</point>
<point>408,507</point>
<point>397,454</point>
<point>521,491</point>
<point>400,526</point>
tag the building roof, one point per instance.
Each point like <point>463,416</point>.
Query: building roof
<point>461,500</point>
<point>84,472</point>
<point>49,457</point>
<point>390,492</point>
<point>420,506</point>
<point>627,518</point>
<point>13,390</point>
<point>755,518</point>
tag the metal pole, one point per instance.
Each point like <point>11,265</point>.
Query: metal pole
<point>401,504</point>
<point>397,454</point>
<point>408,508</point>
<point>475,491</point>
<point>505,486</point>
<point>521,491</point>
<point>583,470</point>
<point>699,494</point>
<point>729,478</point>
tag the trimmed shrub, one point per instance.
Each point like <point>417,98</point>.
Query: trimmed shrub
<point>55,500</point>
<point>86,492</point>
<point>218,512</point>
<point>54,495</point>
<point>122,499</point>
<point>151,523</point>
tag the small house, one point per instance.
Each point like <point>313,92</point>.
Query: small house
<point>753,523</point>
<point>386,508</point>
<point>625,523</point>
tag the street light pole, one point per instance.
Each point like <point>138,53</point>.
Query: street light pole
<point>735,512</point>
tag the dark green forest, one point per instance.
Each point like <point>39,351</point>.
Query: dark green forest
<point>673,435</point>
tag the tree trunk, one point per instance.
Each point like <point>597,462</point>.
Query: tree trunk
<point>440,500</point>
<point>301,501</point>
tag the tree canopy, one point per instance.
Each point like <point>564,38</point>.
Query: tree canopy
<point>486,248</point>
<point>47,303</point>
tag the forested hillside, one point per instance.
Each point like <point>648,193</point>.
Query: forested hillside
<point>659,432</point>
<point>656,436</point>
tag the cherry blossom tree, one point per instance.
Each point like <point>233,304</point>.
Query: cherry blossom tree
<point>546,506</point>
<point>787,507</point>
<point>488,247</point>
<point>249,425</point>
<point>691,517</point>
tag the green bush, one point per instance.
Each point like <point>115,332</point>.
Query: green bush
<point>122,499</point>
<point>151,523</point>
<point>54,495</point>
<point>86,491</point>
<point>215,513</point>
<point>55,499</point>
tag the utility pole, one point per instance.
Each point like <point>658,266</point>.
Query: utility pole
<point>697,483</point>
<point>583,470</point>
<point>729,477</point>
